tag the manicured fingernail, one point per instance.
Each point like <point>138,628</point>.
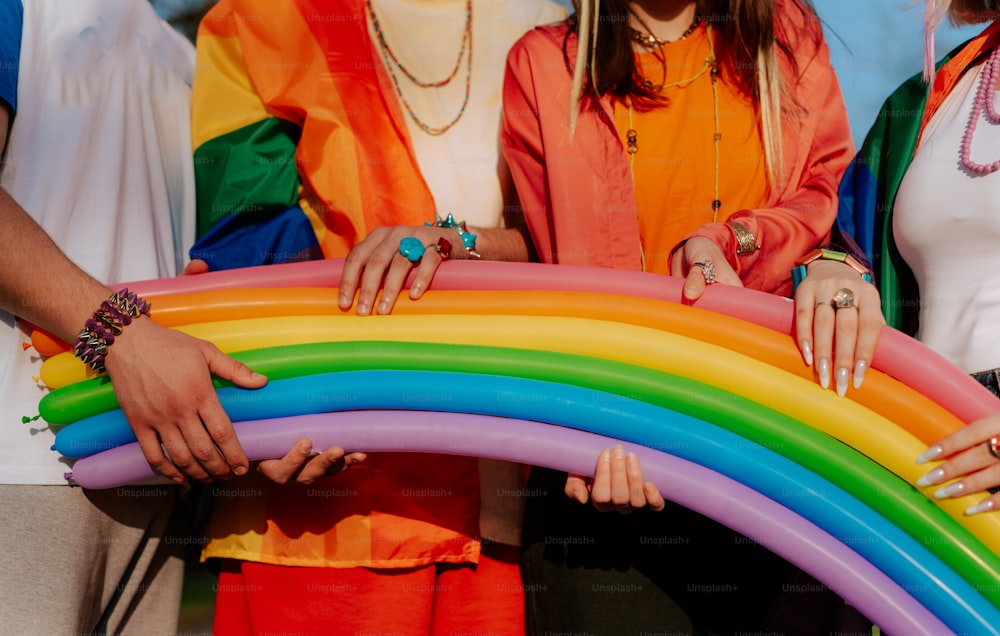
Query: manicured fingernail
<point>982,506</point>
<point>842,377</point>
<point>240,470</point>
<point>859,373</point>
<point>383,307</point>
<point>807,352</point>
<point>931,478</point>
<point>415,290</point>
<point>343,301</point>
<point>930,454</point>
<point>364,308</point>
<point>950,490</point>
<point>823,368</point>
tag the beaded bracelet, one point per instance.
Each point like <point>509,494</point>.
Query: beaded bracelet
<point>468,238</point>
<point>109,320</point>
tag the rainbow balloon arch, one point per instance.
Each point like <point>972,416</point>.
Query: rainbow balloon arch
<point>547,365</point>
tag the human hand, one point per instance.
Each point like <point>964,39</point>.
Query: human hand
<point>303,466</point>
<point>194,267</point>
<point>163,381</point>
<point>973,454</point>
<point>376,262</point>
<point>850,333</point>
<point>701,250</point>
<point>617,484</point>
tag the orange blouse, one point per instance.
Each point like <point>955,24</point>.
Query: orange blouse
<point>674,168</point>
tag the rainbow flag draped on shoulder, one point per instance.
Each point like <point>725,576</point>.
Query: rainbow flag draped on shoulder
<point>869,187</point>
<point>294,155</point>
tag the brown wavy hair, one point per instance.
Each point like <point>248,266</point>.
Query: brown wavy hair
<point>749,40</point>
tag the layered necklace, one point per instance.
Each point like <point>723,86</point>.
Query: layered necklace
<point>650,41</point>
<point>391,60</point>
<point>712,68</point>
<point>985,97</point>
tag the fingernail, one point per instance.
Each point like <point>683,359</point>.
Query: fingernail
<point>619,452</point>
<point>842,377</point>
<point>931,478</point>
<point>632,457</point>
<point>305,447</point>
<point>364,309</point>
<point>343,301</point>
<point>931,453</point>
<point>240,470</point>
<point>256,376</point>
<point>950,490</point>
<point>606,456</point>
<point>415,290</point>
<point>859,373</point>
<point>982,506</point>
<point>807,352</point>
<point>383,307</point>
<point>823,368</point>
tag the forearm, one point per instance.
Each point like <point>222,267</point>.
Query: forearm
<point>37,281</point>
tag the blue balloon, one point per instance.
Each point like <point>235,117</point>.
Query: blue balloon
<point>882,543</point>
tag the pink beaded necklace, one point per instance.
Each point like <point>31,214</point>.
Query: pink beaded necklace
<point>984,98</point>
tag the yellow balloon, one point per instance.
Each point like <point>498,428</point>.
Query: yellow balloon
<point>871,434</point>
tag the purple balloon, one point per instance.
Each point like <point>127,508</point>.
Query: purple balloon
<point>695,487</point>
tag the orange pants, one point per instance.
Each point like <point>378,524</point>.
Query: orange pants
<point>440,599</point>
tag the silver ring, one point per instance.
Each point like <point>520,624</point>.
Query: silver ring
<point>843,298</point>
<point>993,446</point>
<point>708,271</point>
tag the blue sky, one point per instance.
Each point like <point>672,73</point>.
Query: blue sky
<point>875,45</point>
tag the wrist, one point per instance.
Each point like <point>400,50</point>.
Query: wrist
<point>99,332</point>
<point>467,240</point>
<point>814,259</point>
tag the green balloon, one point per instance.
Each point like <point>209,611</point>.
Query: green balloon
<point>872,484</point>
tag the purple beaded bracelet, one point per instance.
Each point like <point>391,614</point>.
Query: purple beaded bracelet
<point>109,320</point>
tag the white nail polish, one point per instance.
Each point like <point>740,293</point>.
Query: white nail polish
<point>931,478</point>
<point>930,454</point>
<point>950,490</point>
<point>807,352</point>
<point>842,377</point>
<point>823,368</point>
<point>982,506</point>
<point>859,373</point>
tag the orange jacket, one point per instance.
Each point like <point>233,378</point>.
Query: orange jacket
<point>578,197</point>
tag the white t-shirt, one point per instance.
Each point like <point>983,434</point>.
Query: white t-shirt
<point>426,38</point>
<point>947,228</point>
<point>100,155</point>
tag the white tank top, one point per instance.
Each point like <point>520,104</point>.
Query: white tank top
<point>947,228</point>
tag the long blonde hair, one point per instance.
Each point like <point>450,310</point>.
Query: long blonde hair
<point>749,43</point>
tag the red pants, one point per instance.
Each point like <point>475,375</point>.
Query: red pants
<point>442,599</point>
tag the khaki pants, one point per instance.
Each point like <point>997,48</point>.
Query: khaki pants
<point>74,561</point>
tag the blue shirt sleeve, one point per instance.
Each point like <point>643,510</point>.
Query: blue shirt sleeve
<point>11,23</point>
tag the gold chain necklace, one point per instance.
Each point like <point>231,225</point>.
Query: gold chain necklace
<point>391,60</point>
<point>650,41</point>
<point>632,135</point>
